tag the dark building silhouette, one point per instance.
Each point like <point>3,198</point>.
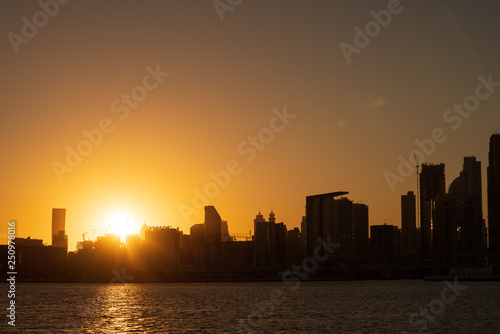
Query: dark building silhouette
<point>59,237</point>
<point>361,229</point>
<point>494,195</point>
<point>224,231</point>
<point>294,246</point>
<point>238,255</point>
<point>432,185</point>
<point>162,248</point>
<point>303,225</point>
<point>384,240</point>
<point>281,243</point>
<point>213,225</point>
<point>213,232</point>
<point>408,224</point>
<point>445,225</point>
<point>339,219</point>
<point>265,240</point>
<point>473,229</point>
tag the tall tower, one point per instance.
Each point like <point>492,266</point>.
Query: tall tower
<point>472,202</point>
<point>494,194</point>
<point>59,237</point>
<point>408,223</point>
<point>213,228</point>
<point>328,217</point>
<point>213,225</point>
<point>432,185</point>
<point>360,229</point>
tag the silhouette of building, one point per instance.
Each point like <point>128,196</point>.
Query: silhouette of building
<point>445,225</point>
<point>327,216</point>
<point>213,228</point>
<point>303,225</point>
<point>494,195</point>
<point>197,238</point>
<point>224,231</point>
<point>271,240</point>
<point>281,243</point>
<point>360,229</point>
<point>472,211</point>
<point>265,240</point>
<point>294,246</point>
<point>432,185</point>
<point>162,248</point>
<point>408,223</point>
<point>213,225</point>
<point>384,239</point>
<point>59,237</point>
<point>34,260</point>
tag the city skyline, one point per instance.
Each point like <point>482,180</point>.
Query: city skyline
<point>121,225</point>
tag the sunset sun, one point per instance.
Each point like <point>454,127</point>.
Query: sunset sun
<point>122,224</point>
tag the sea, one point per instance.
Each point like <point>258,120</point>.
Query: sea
<point>399,306</point>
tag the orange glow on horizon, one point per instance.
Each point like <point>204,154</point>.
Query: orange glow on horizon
<point>122,224</point>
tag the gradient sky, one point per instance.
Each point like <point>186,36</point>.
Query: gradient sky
<point>353,120</point>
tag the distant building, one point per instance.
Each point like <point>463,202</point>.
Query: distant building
<point>34,260</point>
<point>337,219</point>
<point>213,228</point>
<point>445,225</point>
<point>472,199</point>
<point>432,185</point>
<point>384,239</point>
<point>162,246</point>
<point>408,223</point>
<point>197,239</point>
<point>361,229</point>
<point>265,240</point>
<point>224,231</point>
<point>213,225</point>
<point>294,246</point>
<point>494,195</point>
<point>59,237</point>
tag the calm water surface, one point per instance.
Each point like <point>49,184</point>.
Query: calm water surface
<point>314,307</point>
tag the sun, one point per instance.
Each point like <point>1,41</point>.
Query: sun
<point>122,224</point>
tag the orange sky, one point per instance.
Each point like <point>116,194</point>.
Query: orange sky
<point>225,79</point>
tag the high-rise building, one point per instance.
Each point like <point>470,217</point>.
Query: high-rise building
<point>224,231</point>
<point>162,247</point>
<point>472,210</point>
<point>444,236</point>
<point>328,217</point>
<point>213,225</point>
<point>432,185</point>
<point>494,195</point>
<point>213,228</point>
<point>360,229</point>
<point>383,239</point>
<point>265,240</point>
<point>408,223</point>
<point>59,237</point>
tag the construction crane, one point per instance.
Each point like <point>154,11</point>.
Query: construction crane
<point>83,236</point>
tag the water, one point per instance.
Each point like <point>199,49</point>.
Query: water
<point>314,307</point>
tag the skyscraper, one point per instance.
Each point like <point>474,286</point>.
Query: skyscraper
<point>213,228</point>
<point>326,217</point>
<point>361,228</point>
<point>494,194</point>
<point>59,237</point>
<point>432,185</point>
<point>265,240</point>
<point>408,223</point>
<point>472,206</point>
<point>213,225</point>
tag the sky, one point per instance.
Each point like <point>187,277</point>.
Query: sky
<point>132,112</point>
